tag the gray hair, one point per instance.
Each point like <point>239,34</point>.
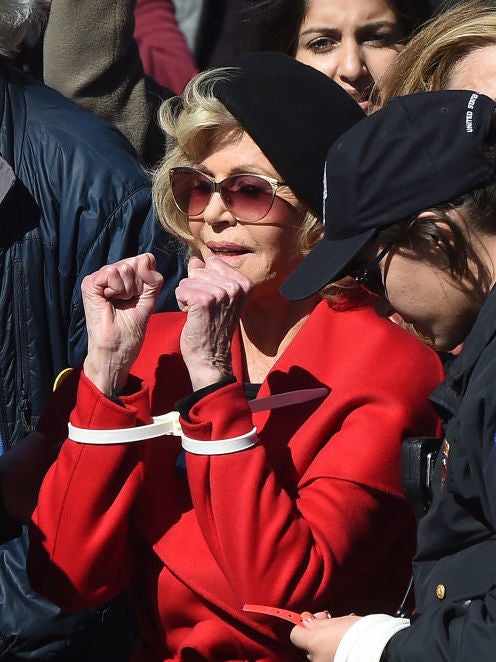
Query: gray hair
<point>18,18</point>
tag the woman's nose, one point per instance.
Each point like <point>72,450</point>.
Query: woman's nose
<point>216,211</point>
<point>351,64</point>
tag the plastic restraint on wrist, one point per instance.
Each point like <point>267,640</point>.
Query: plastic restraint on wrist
<point>221,446</point>
<point>169,424</point>
<point>162,425</point>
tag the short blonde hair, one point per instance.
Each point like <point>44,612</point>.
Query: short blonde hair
<point>427,61</point>
<point>192,124</point>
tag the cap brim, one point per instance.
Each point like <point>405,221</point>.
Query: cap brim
<point>326,263</point>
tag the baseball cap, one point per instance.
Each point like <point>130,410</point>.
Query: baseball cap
<point>419,151</point>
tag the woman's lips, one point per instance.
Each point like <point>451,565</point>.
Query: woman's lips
<point>227,249</point>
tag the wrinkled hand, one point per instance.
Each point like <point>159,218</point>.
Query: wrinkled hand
<point>212,295</point>
<point>320,636</point>
<point>118,301</point>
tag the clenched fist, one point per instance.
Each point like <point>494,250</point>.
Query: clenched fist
<point>118,301</point>
<point>212,295</point>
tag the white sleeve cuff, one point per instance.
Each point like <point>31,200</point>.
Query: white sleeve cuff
<point>222,446</point>
<point>366,639</point>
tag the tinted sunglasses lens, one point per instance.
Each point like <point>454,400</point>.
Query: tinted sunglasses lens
<point>191,190</point>
<point>248,197</point>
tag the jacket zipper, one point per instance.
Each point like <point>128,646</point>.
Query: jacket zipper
<point>21,342</point>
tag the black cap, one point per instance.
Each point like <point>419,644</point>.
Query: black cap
<point>419,151</point>
<point>293,112</point>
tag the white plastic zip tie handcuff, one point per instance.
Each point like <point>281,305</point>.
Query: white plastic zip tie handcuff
<point>168,424</point>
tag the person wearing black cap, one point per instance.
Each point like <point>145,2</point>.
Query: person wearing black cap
<point>411,213</point>
<point>288,487</point>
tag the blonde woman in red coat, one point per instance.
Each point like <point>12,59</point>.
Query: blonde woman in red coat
<point>286,491</point>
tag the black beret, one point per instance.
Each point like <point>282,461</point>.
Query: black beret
<point>293,112</point>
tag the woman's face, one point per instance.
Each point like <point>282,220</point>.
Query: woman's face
<point>440,308</point>
<point>265,251</point>
<point>351,41</point>
<point>476,71</point>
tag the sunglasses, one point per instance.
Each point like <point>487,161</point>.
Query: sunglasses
<point>248,197</point>
<point>370,278</point>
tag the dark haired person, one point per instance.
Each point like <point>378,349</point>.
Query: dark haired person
<point>351,41</point>
<point>411,214</point>
<point>294,413</point>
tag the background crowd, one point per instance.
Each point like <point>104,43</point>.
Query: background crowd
<point>100,163</point>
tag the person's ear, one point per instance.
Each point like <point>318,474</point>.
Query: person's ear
<point>443,226</point>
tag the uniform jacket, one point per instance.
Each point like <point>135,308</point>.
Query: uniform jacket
<point>455,567</point>
<point>79,201</point>
<point>313,516</point>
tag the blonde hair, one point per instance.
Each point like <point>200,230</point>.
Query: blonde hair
<point>427,61</point>
<point>192,125</point>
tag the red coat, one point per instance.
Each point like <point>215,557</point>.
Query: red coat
<point>311,517</point>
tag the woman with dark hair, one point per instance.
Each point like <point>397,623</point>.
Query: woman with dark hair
<point>351,41</point>
<point>411,203</point>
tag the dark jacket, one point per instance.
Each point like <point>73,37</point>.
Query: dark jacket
<point>79,201</point>
<point>9,528</point>
<point>455,566</point>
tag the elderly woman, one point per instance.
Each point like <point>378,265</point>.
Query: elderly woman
<point>287,487</point>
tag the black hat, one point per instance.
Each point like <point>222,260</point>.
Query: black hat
<point>293,112</point>
<point>419,151</point>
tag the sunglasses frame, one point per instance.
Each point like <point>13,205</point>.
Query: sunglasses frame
<point>363,278</point>
<point>216,187</point>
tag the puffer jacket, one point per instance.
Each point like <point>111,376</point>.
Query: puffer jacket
<point>79,200</point>
<point>72,198</point>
